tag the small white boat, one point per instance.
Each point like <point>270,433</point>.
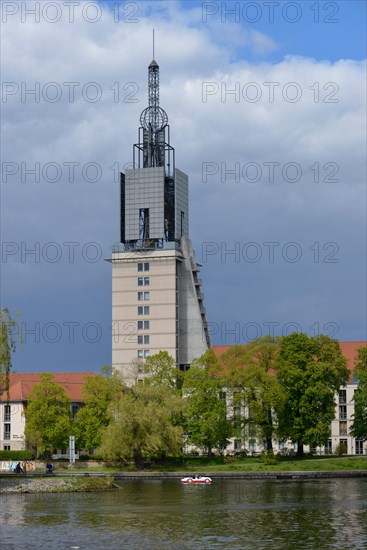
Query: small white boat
<point>196,480</point>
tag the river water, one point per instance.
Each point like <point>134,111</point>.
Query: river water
<point>302,514</point>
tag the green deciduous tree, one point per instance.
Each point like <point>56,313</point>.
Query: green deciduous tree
<point>10,336</point>
<point>311,371</point>
<point>207,424</point>
<point>98,393</point>
<point>359,426</point>
<point>144,424</point>
<point>250,373</point>
<point>161,370</point>
<point>47,415</point>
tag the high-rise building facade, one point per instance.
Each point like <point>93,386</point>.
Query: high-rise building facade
<point>157,303</point>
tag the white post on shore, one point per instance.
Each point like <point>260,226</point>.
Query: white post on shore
<point>72,449</point>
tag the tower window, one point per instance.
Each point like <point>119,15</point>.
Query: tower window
<point>144,223</point>
<point>143,353</point>
<point>182,223</point>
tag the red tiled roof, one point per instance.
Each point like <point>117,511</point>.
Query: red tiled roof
<point>349,350</point>
<point>21,384</point>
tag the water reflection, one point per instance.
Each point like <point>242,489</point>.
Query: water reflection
<point>162,514</point>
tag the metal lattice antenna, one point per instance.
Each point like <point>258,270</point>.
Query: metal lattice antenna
<point>153,118</point>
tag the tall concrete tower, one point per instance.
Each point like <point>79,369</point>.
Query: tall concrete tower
<point>157,303</point>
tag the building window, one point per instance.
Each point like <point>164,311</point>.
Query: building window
<point>143,310</point>
<point>146,281</point>
<point>7,431</point>
<point>140,354</point>
<point>343,430</point>
<point>6,447</point>
<point>236,411</point>
<point>146,266</point>
<point>237,444</point>
<point>140,281</point>
<point>344,442</point>
<point>342,412</point>
<point>342,397</point>
<point>143,266</point>
<point>146,339</point>
<point>359,446</point>
<point>146,353</point>
<point>146,325</point>
<point>328,447</point>
<point>140,267</point>
<point>74,409</point>
<point>140,325</point>
<point>7,412</point>
<point>143,296</point>
<point>146,296</point>
<point>140,339</point>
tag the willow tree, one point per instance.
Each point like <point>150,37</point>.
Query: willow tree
<point>10,337</point>
<point>144,425</point>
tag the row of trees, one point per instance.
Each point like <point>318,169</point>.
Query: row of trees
<point>287,390</point>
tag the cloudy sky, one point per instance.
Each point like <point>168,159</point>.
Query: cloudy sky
<point>266,103</point>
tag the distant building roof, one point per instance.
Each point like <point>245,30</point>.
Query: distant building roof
<point>21,384</point>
